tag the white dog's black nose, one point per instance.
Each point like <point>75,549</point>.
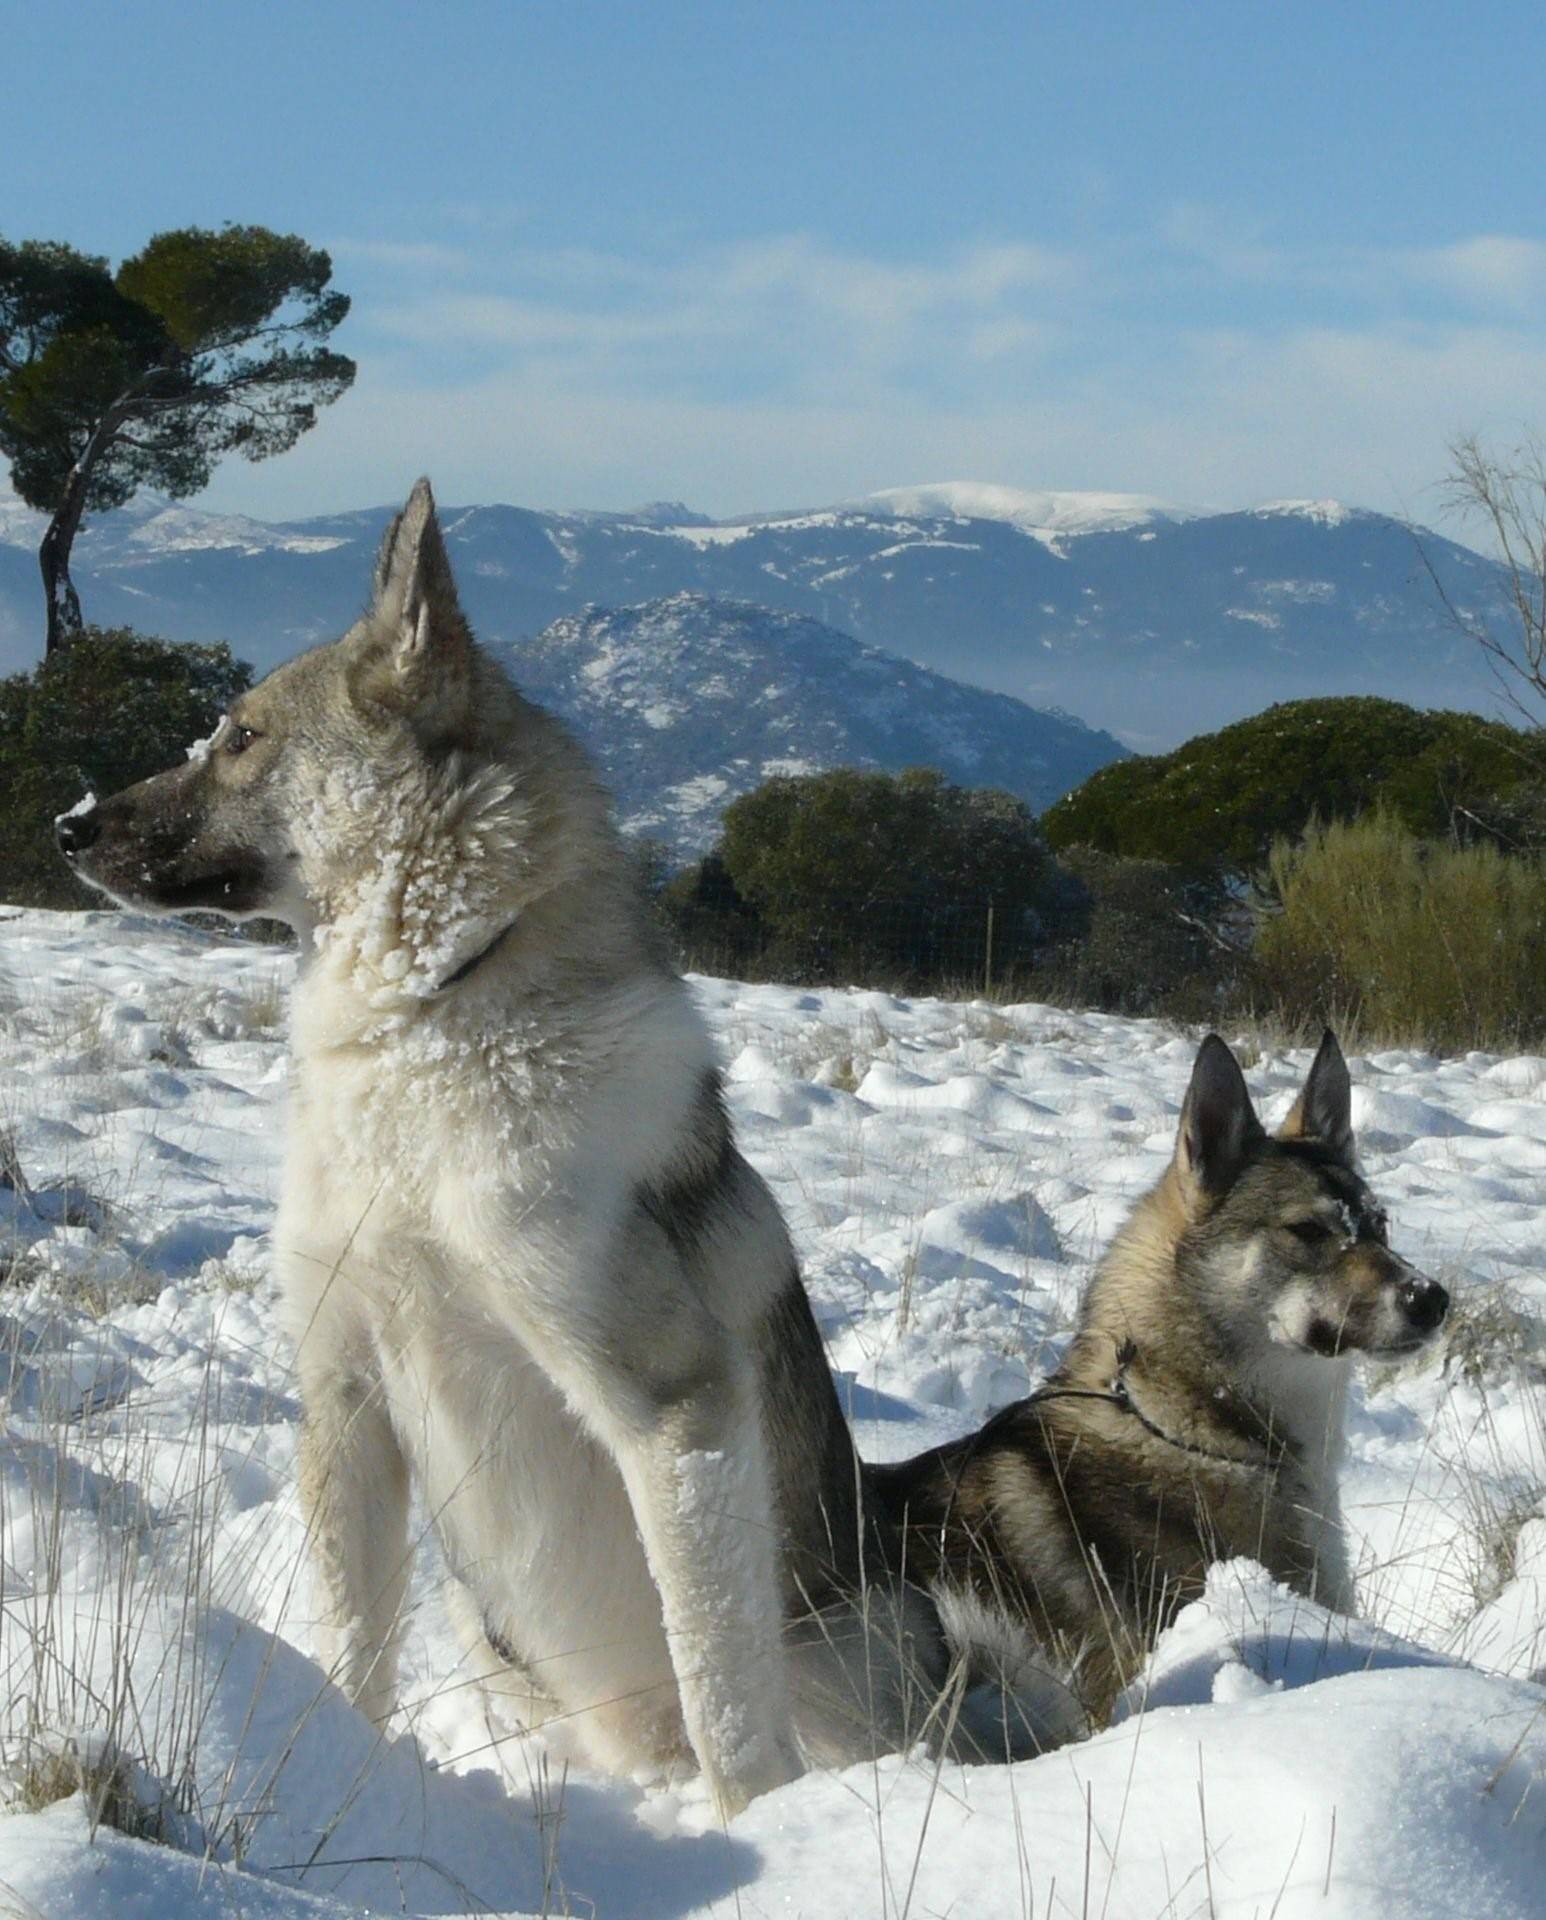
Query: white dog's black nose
<point>1424,1301</point>
<point>77,831</point>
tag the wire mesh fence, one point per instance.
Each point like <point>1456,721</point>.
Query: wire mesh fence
<point>972,946</point>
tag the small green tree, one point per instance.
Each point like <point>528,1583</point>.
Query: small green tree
<point>711,926</point>
<point>202,344</point>
<point>860,871</point>
<point>111,708</point>
<point>865,837</point>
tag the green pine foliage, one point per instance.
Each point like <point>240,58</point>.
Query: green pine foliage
<point>202,344</point>
<point>111,708</point>
<point>1217,804</point>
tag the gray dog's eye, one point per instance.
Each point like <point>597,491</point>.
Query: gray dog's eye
<point>1313,1233</point>
<point>239,739</point>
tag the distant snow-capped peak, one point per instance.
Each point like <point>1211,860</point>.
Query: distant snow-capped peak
<point>152,524</point>
<point>1043,511</point>
<point>173,528</point>
<point>1325,513</point>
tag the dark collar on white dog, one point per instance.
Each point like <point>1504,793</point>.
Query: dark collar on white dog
<point>471,966</point>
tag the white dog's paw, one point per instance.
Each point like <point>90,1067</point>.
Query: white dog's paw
<point>695,1809</point>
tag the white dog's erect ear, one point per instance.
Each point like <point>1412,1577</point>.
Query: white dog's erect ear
<point>1218,1122</point>
<point>414,607</point>
<point>1324,1111</point>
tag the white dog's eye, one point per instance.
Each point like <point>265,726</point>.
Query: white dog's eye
<point>239,739</point>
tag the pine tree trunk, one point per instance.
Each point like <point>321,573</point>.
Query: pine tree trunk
<point>61,601</point>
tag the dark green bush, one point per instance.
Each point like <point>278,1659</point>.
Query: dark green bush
<point>1217,804</point>
<point>1140,937</point>
<point>710,925</point>
<point>110,708</point>
<point>895,879</point>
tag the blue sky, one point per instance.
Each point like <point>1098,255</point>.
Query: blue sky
<point>762,256</point>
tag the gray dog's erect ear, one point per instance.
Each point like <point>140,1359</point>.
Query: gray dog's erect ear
<point>1218,1122</point>
<point>1324,1111</point>
<point>414,607</point>
<point>384,553</point>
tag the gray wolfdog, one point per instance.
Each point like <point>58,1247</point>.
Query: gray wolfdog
<point>523,1262</point>
<point>1197,1415</point>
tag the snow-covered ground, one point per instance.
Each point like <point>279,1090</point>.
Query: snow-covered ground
<point>950,1172</point>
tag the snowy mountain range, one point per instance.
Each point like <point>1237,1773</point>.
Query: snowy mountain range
<point>689,701</point>
<point>1151,619</point>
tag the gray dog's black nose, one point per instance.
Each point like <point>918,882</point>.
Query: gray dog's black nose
<point>1426,1303</point>
<point>77,831</point>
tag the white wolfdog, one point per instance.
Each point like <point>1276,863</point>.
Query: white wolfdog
<point>522,1258</point>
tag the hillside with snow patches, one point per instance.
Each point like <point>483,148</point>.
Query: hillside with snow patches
<point>950,1171</point>
<point>688,702</point>
<point>1151,620</point>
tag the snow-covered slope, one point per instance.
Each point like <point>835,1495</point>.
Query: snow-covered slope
<point>690,701</point>
<point>151,527</point>
<point>1045,515</point>
<point>1149,619</point>
<point>949,1172</point>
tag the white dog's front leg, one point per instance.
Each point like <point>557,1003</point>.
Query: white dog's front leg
<point>699,1483</point>
<point>354,1490</point>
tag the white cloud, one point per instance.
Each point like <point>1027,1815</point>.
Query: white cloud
<point>501,321</point>
<point>403,255</point>
<point>1491,269</point>
<point>786,301</point>
<point>999,339</point>
<point>1499,271</point>
<point>1221,242</point>
<point>865,288</point>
